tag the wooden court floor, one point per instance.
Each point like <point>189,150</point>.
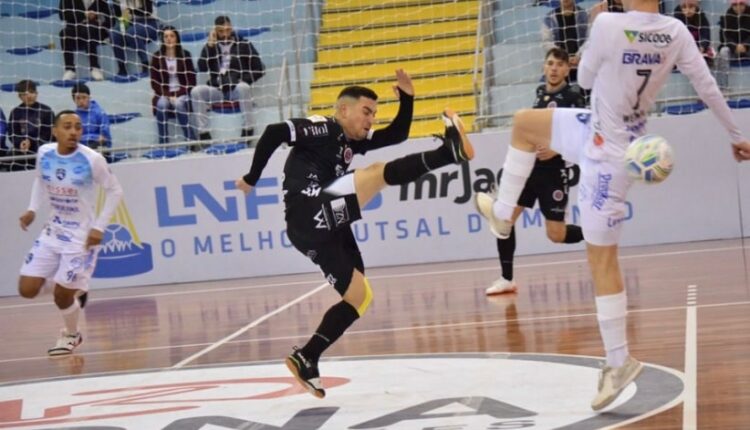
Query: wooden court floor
<point>433,308</point>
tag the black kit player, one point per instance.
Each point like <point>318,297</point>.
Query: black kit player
<point>551,177</point>
<point>323,197</point>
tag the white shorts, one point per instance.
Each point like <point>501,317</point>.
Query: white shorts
<point>604,184</point>
<point>69,266</point>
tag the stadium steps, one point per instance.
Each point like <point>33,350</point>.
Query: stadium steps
<point>362,42</point>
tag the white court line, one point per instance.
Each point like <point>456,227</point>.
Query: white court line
<point>388,276</point>
<point>384,330</point>
<point>689,404</point>
<point>247,327</point>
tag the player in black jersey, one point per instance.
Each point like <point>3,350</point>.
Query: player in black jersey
<point>551,177</point>
<point>323,197</point>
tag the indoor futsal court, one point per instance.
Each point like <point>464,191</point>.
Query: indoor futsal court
<point>433,353</point>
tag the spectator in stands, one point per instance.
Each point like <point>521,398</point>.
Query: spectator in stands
<point>566,28</point>
<point>172,78</point>
<point>689,12</point>
<point>734,35</point>
<point>137,28</point>
<point>30,124</point>
<point>95,121</point>
<point>87,24</point>
<point>233,65</point>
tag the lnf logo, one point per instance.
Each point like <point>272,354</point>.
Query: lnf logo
<point>225,207</point>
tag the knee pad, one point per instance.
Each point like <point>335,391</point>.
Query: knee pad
<point>362,308</point>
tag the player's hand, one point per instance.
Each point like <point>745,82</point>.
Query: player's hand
<point>404,82</point>
<point>741,151</point>
<point>545,154</point>
<point>91,15</point>
<point>26,219</point>
<point>211,39</point>
<point>243,186</point>
<point>94,238</point>
<point>25,145</point>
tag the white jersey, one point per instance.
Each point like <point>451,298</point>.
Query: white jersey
<point>68,183</point>
<point>626,61</point>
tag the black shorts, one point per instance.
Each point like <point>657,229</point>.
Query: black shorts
<point>319,227</point>
<point>550,187</point>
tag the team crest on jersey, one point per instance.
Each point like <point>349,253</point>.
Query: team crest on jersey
<point>583,118</point>
<point>558,195</point>
<point>348,155</point>
<point>60,174</point>
<point>552,104</point>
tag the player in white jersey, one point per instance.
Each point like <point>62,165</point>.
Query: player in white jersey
<point>625,62</point>
<point>68,175</point>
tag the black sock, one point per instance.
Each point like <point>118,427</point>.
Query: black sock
<point>410,168</point>
<point>335,322</point>
<point>573,234</point>
<point>506,249</point>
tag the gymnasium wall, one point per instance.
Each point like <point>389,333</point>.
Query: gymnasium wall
<point>182,220</point>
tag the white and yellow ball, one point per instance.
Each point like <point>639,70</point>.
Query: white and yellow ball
<point>649,158</point>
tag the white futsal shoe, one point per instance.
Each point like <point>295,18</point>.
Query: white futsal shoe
<point>612,380</point>
<point>501,286</point>
<point>500,228</point>
<point>66,343</point>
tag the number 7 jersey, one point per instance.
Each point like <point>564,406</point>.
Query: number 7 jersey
<point>626,61</point>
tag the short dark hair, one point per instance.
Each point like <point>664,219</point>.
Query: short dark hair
<point>26,86</point>
<point>222,20</point>
<point>558,53</point>
<point>356,92</point>
<point>80,88</point>
<point>61,113</point>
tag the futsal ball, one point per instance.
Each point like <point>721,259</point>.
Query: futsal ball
<point>649,158</point>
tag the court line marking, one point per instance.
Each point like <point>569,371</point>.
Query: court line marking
<point>221,342</point>
<point>385,276</point>
<point>384,330</point>
<point>690,393</point>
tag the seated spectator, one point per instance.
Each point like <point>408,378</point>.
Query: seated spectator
<point>566,28</point>
<point>734,35</point>
<point>690,13</point>
<point>138,27</point>
<point>87,24</point>
<point>172,78</point>
<point>30,124</point>
<point>95,121</point>
<point>233,65</point>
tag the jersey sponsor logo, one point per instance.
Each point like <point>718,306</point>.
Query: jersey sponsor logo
<point>583,118</point>
<point>656,39</point>
<point>60,174</point>
<point>602,191</point>
<point>640,59</point>
<point>315,130</point>
<point>317,118</point>
<point>322,222</point>
<point>312,190</point>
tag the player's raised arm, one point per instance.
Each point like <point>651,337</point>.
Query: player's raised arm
<point>398,130</point>
<point>273,136</point>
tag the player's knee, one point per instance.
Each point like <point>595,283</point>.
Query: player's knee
<point>26,291</point>
<point>64,297</point>
<point>556,235</point>
<point>366,300</point>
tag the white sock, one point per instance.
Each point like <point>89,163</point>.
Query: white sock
<point>516,170</point>
<point>70,317</point>
<point>611,311</point>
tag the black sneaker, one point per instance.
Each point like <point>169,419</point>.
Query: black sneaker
<point>306,373</point>
<point>455,137</point>
<point>82,299</point>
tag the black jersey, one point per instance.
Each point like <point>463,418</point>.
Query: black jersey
<point>320,150</point>
<point>568,96</point>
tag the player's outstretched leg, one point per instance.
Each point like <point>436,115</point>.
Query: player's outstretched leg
<point>531,130</point>
<point>455,149</point>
